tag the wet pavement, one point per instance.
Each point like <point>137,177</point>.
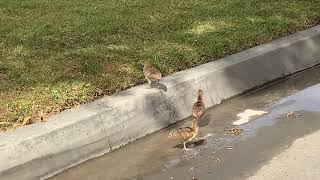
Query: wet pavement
<point>266,132</point>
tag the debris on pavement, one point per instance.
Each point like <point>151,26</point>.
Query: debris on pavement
<point>214,158</point>
<point>233,131</point>
<point>292,114</point>
<point>230,147</point>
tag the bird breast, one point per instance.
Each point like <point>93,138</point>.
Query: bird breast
<point>198,109</point>
<point>152,73</point>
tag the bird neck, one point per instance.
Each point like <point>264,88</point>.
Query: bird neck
<point>199,99</point>
<point>146,65</point>
<point>194,125</point>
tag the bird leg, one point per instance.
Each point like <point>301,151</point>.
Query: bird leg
<point>184,146</point>
<point>149,82</point>
<point>158,82</point>
<point>192,138</point>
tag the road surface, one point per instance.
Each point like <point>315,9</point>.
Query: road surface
<point>272,145</point>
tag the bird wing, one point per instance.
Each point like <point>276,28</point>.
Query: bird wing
<point>181,133</point>
<point>153,73</point>
<point>198,109</point>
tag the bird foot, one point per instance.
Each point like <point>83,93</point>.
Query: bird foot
<point>197,139</point>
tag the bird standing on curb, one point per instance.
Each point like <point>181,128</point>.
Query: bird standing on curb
<point>151,73</point>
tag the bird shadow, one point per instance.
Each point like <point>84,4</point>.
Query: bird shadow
<point>157,85</point>
<point>192,144</point>
<point>204,121</point>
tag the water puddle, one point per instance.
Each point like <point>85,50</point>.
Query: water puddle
<point>248,115</point>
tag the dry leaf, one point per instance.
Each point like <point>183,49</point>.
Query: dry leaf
<point>26,121</point>
<point>234,131</point>
<point>5,123</point>
<point>42,116</point>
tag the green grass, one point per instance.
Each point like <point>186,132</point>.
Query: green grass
<point>57,54</point>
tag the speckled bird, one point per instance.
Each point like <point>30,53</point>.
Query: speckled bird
<point>151,73</point>
<point>198,107</point>
<point>185,134</point>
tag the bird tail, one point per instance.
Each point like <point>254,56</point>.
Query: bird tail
<point>174,135</point>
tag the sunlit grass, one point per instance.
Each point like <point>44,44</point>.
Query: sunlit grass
<point>209,27</point>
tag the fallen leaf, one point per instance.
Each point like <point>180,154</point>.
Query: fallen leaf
<point>26,121</point>
<point>42,116</point>
<point>234,131</point>
<point>5,123</point>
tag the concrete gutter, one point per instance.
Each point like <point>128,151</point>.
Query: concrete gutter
<point>42,150</point>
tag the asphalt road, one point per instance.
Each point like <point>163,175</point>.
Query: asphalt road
<point>272,145</point>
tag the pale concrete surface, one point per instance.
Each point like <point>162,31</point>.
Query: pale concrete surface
<point>264,136</point>
<point>300,161</point>
<point>41,150</point>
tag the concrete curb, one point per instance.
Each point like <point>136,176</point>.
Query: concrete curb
<point>41,150</point>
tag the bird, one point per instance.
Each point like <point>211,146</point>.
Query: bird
<point>151,73</point>
<point>198,108</point>
<point>185,134</point>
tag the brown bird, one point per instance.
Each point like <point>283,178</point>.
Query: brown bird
<point>185,134</point>
<point>198,107</point>
<point>151,73</point>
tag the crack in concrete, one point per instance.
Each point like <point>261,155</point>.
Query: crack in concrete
<point>207,87</point>
<point>105,132</point>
